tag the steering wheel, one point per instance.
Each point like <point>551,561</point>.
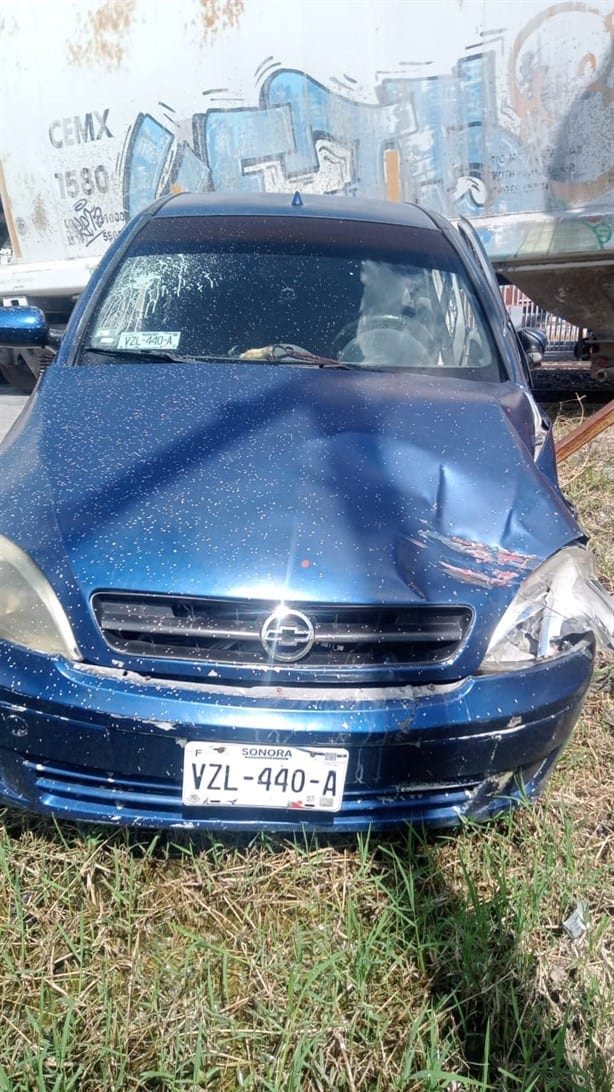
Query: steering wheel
<point>346,344</point>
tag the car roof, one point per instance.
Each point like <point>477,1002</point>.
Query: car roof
<point>307,205</point>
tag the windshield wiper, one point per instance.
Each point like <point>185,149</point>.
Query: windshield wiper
<point>153,355</point>
<point>269,354</point>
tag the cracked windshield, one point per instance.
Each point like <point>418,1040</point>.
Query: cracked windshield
<point>295,303</point>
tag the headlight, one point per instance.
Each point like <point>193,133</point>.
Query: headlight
<point>30,611</point>
<point>560,600</point>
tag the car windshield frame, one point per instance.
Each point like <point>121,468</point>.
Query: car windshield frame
<point>399,318</point>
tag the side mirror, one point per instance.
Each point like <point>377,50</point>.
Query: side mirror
<point>533,343</point>
<point>22,327</point>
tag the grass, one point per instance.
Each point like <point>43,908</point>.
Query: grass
<point>139,962</point>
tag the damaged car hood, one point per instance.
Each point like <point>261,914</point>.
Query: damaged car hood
<point>301,483</point>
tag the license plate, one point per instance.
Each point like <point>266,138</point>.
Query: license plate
<point>245,775</point>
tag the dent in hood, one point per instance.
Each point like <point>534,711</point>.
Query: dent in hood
<point>300,483</point>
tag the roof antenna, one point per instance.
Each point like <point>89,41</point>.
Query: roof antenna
<point>297,200</point>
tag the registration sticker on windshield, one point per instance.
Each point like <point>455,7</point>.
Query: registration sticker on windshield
<point>150,339</point>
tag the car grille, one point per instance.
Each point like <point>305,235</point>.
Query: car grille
<point>228,633</point>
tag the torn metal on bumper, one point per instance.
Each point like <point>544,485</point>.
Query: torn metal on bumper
<point>104,746</point>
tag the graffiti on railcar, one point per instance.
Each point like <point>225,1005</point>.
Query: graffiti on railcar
<point>434,134</point>
<point>440,140</point>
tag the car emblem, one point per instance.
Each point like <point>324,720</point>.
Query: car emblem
<point>287,635</point>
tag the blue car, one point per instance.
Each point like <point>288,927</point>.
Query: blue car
<point>282,545</point>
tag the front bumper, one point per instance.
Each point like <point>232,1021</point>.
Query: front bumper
<point>101,745</point>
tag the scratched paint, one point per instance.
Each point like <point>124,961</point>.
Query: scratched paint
<point>485,566</point>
